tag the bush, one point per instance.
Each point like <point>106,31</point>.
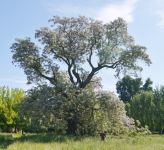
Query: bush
<point>81,112</point>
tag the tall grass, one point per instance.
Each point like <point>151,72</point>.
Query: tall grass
<point>52,142</point>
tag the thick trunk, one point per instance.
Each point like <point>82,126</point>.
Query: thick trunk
<point>71,126</point>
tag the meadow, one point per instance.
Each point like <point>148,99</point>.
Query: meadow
<point>57,142</point>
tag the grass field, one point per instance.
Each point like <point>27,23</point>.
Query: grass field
<point>52,142</point>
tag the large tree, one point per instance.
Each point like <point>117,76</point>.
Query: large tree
<point>83,46</point>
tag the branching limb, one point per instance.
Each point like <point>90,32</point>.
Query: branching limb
<point>89,59</point>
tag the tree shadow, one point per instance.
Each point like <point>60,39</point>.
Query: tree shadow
<point>43,138</point>
<point>8,139</point>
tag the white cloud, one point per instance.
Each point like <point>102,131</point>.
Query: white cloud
<point>70,9</point>
<point>160,15</point>
<point>123,9</point>
<point>63,9</point>
<point>158,12</point>
<point>111,10</point>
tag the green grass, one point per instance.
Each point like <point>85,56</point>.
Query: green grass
<point>53,142</point>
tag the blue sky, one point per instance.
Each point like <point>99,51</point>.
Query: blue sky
<point>20,18</point>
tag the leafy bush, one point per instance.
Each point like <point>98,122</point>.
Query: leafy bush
<point>78,112</point>
<point>111,115</point>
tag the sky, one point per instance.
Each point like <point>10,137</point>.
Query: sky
<point>20,18</point>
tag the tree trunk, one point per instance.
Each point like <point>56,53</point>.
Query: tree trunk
<point>72,126</point>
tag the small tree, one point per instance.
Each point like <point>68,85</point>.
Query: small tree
<point>142,108</point>
<point>9,108</point>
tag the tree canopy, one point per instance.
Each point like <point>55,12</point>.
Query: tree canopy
<point>82,46</point>
<point>127,87</point>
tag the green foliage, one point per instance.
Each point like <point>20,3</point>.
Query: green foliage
<point>42,110</point>
<point>82,111</point>
<point>147,107</point>
<point>142,108</point>
<point>111,115</point>
<point>57,113</point>
<point>74,42</point>
<point>148,85</point>
<point>127,87</point>
<point>9,108</point>
<point>69,103</point>
<point>159,111</point>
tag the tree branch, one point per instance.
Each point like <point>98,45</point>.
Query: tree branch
<point>70,73</point>
<point>50,79</point>
<point>89,77</point>
<point>95,70</point>
<point>89,59</point>
<point>76,75</point>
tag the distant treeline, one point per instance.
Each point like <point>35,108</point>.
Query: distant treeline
<point>143,103</point>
